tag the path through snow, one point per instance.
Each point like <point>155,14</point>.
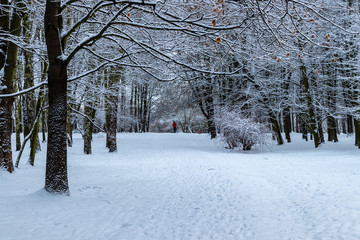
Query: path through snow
<point>183,186</point>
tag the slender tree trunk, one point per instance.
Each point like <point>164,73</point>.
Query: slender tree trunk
<point>350,126</point>
<point>343,125</point>
<point>88,128</point>
<point>321,131</point>
<point>56,179</point>
<point>7,83</point>
<point>92,102</point>
<point>136,108</point>
<point>4,27</point>
<point>276,128</point>
<point>18,121</point>
<point>112,109</point>
<point>123,102</point>
<point>357,132</point>
<point>34,138</point>
<point>29,99</point>
<point>144,108</point>
<point>112,128</point>
<point>287,124</point>
<point>210,108</point>
<point>211,116</point>
<point>332,135</point>
<point>43,123</point>
<point>312,119</point>
<point>5,140</point>
<point>131,106</point>
<point>69,128</point>
<point>303,127</point>
<point>331,101</point>
<point>43,113</point>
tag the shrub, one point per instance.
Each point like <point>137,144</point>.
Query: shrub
<point>239,132</point>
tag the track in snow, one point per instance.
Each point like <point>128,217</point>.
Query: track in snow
<point>183,186</point>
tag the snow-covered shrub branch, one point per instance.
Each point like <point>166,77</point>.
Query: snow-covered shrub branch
<point>240,132</point>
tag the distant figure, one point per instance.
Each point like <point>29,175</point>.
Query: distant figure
<point>174,126</point>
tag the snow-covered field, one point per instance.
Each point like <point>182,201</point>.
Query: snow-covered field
<point>184,186</point>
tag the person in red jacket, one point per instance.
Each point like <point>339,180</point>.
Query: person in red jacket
<point>174,126</point>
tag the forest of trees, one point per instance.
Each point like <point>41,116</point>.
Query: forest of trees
<point>135,66</point>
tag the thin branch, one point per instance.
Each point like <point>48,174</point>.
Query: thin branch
<point>29,135</point>
<point>22,92</point>
<point>84,115</point>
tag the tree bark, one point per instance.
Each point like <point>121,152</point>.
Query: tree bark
<point>69,128</point>
<point>332,135</point>
<point>9,66</point>
<point>18,125</point>
<point>5,140</point>
<point>4,27</point>
<point>56,179</point>
<point>309,102</point>
<point>357,132</point>
<point>131,107</point>
<point>320,130</point>
<point>89,112</point>
<point>276,128</point>
<point>350,126</point>
<point>112,109</point>
<point>34,138</point>
<point>287,124</point>
<point>29,99</point>
<point>209,102</point>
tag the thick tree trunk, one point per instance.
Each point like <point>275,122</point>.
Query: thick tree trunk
<point>56,179</point>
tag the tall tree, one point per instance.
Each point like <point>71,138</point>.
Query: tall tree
<point>9,24</point>
<point>56,180</point>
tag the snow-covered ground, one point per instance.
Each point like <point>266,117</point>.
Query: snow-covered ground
<point>184,186</point>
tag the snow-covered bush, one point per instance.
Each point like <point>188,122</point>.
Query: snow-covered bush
<point>239,132</point>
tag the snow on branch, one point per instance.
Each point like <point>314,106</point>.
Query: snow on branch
<point>237,131</point>
<point>94,37</point>
<point>152,50</point>
<point>25,91</point>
